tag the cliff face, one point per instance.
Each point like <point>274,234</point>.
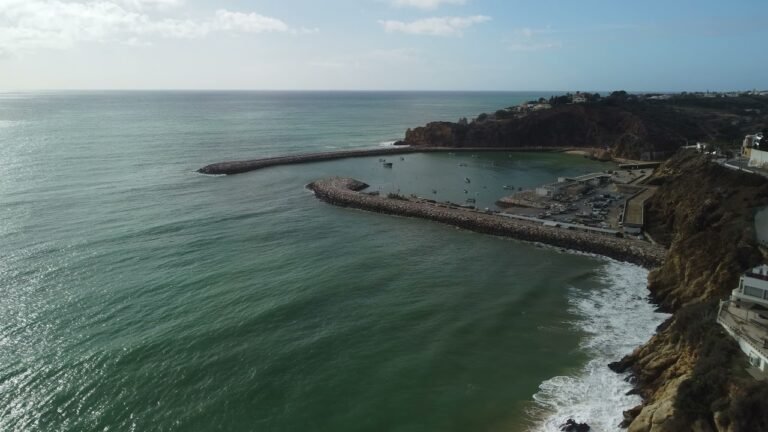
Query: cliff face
<point>562,126</point>
<point>631,129</point>
<point>691,373</point>
<point>704,214</point>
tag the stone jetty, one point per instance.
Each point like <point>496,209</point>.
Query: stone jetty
<point>346,192</point>
<point>237,167</point>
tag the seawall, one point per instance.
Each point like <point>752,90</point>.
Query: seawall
<point>237,167</point>
<point>345,192</point>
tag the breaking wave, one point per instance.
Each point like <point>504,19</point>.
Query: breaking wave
<point>617,318</point>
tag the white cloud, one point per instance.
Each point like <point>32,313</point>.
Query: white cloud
<point>248,22</point>
<point>150,4</point>
<point>27,25</point>
<point>436,26</point>
<point>528,39</point>
<point>426,4</point>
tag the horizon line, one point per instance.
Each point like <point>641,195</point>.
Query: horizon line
<point>287,90</point>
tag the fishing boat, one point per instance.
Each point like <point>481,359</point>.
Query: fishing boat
<point>387,164</point>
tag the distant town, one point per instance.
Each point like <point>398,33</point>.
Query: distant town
<point>586,97</point>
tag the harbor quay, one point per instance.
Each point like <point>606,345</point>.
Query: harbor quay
<point>611,202</point>
<point>348,192</point>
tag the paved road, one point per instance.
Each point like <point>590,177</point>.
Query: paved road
<point>741,163</point>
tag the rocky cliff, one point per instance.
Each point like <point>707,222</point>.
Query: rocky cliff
<point>691,374</point>
<point>630,128</point>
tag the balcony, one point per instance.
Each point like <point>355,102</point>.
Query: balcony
<point>744,322</point>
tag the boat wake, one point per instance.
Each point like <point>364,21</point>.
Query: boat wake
<point>616,318</point>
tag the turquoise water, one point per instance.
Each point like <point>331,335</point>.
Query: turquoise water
<point>138,295</point>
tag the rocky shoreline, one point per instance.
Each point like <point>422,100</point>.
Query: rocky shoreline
<point>237,167</point>
<point>691,373</point>
<point>345,192</point>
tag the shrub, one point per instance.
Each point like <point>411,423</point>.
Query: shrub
<point>712,373</point>
<point>749,410</point>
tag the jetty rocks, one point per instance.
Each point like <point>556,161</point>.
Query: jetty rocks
<point>238,167</point>
<point>346,192</point>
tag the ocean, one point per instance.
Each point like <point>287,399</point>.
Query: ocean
<point>139,295</point>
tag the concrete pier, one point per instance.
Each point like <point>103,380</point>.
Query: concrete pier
<point>345,192</point>
<point>237,167</point>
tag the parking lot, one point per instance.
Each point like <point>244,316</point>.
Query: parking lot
<point>595,200</point>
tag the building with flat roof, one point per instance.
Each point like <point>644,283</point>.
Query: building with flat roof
<point>750,144</point>
<point>745,317</point>
<point>753,286</point>
<point>758,158</point>
<point>633,220</point>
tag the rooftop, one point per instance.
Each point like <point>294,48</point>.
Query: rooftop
<point>635,210</point>
<point>759,272</point>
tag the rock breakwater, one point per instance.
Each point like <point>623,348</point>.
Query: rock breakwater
<point>237,167</point>
<point>345,192</point>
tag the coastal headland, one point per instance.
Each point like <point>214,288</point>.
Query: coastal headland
<point>238,167</point>
<point>346,192</point>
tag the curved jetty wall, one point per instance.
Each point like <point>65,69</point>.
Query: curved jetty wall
<point>345,192</point>
<point>237,167</point>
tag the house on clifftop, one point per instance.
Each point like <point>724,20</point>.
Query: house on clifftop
<point>745,317</point>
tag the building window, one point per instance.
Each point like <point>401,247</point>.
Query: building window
<point>753,292</point>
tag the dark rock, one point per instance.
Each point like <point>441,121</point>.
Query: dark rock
<point>618,366</point>
<point>572,426</point>
<point>630,415</point>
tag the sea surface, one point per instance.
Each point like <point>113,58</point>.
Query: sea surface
<point>137,295</point>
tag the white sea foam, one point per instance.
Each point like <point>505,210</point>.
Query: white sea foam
<point>617,319</point>
<point>387,143</point>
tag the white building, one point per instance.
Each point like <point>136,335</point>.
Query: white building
<point>751,142</point>
<point>548,190</point>
<point>745,316</point>
<point>578,98</point>
<point>758,158</point>
<point>753,286</point>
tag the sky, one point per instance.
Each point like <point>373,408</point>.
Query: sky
<point>525,45</point>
